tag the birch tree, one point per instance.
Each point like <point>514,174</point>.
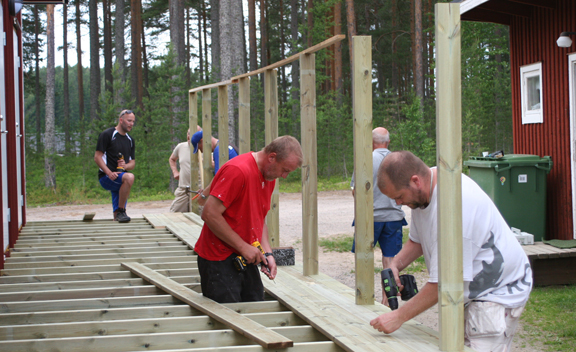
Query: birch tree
<point>49,137</point>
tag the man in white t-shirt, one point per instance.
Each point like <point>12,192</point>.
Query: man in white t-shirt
<point>181,154</point>
<point>497,274</point>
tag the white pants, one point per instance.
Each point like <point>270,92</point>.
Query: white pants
<point>490,326</point>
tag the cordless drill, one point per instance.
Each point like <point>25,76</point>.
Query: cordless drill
<point>390,288</point>
<point>240,262</point>
<point>118,168</point>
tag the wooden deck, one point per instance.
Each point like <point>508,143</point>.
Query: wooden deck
<point>551,265</point>
<point>64,289</point>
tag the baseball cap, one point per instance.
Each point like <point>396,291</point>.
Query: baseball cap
<point>196,137</point>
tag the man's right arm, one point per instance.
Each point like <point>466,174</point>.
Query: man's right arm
<point>102,165</point>
<point>410,252</point>
<point>172,161</point>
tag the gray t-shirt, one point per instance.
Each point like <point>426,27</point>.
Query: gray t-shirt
<point>385,209</point>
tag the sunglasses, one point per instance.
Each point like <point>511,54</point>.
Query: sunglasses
<point>126,112</point>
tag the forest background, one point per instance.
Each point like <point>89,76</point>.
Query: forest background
<point>155,50</point>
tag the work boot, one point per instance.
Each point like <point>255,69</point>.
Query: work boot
<point>121,215</point>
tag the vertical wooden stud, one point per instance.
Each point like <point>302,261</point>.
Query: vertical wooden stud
<point>223,140</point>
<point>207,136</point>
<point>363,199</point>
<point>449,161</point>
<point>271,133</point>
<point>194,170</point>
<point>244,115</point>
<point>309,165</point>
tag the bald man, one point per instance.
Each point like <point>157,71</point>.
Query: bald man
<point>388,216</point>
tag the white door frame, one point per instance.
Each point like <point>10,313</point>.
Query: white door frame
<point>19,124</point>
<point>572,99</point>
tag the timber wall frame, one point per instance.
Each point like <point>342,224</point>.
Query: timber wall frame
<point>449,161</point>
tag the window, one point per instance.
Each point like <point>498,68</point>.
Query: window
<point>531,91</point>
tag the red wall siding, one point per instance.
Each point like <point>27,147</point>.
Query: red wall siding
<point>534,40</point>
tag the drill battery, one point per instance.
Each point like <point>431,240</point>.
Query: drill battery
<point>390,288</point>
<point>240,261</point>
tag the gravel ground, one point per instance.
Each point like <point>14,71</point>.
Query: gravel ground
<point>335,215</point>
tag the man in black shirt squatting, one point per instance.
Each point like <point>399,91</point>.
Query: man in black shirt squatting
<point>115,155</point>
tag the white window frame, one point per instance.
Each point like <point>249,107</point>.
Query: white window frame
<point>528,71</point>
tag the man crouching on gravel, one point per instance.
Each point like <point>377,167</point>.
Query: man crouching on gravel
<point>497,274</point>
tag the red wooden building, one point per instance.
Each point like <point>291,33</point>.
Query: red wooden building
<point>543,92</point>
<point>12,158</point>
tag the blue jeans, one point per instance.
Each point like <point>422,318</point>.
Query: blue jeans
<point>114,187</point>
<point>389,236</point>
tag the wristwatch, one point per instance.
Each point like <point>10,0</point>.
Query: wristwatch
<point>203,196</point>
<point>268,254</point>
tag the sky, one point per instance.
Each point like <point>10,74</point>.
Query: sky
<point>161,41</point>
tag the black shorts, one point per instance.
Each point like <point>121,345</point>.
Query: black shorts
<point>223,283</point>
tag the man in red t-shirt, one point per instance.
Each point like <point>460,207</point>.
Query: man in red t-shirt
<point>234,218</point>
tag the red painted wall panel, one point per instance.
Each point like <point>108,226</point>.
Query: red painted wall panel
<point>534,40</point>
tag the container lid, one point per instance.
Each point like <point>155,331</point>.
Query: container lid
<point>513,160</point>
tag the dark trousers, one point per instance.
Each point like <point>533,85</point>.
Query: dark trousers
<point>223,283</point>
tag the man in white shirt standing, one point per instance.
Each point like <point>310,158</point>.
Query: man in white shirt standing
<point>497,274</point>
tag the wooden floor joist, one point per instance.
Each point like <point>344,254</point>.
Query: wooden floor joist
<point>64,289</point>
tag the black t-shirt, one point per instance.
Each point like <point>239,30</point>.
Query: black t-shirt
<point>110,142</point>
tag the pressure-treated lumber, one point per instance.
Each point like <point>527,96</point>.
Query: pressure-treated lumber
<point>286,61</point>
<point>244,115</point>
<point>223,139</point>
<point>95,268</point>
<point>246,327</point>
<point>309,164</point>
<point>449,162</point>
<point>194,167</point>
<point>363,195</point>
<point>88,216</point>
<point>136,312</point>
<point>210,86</point>
<point>207,136</point>
<point>270,134</point>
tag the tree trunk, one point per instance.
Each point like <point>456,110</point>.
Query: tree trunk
<point>338,51</point>
<point>120,51</point>
<point>413,40</point>
<point>80,76</point>
<point>177,30</point>
<point>263,35</point>
<point>282,57</point>
<point>310,22</point>
<point>200,31</point>
<point>108,78</point>
<point>94,60</point>
<point>418,62</point>
<point>252,35</point>
<point>204,20</point>
<point>49,166</point>
<point>430,50</point>
<point>215,22</point>
<point>295,67</point>
<point>351,25</point>
<point>144,58</point>
<point>66,92</point>
<point>188,50</point>
<point>395,73</point>
<point>39,145</point>
<point>136,55</point>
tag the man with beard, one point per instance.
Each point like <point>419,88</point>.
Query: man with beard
<point>497,274</point>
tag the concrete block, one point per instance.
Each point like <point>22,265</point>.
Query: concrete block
<point>284,256</point>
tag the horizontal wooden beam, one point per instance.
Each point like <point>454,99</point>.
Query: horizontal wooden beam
<point>286,61</point>
<point>508,8</point>
<point>95,268</point>
<point>160,259</point>
<point>87,246</point>
<point>150,249</point>
<point>246,327</point>
<point>210,86</point>
<point>135,312</point>
<point>94,256</point>
<point>480,15</point>
<point>138,326</point>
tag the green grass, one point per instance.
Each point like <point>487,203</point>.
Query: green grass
<point>340,243</point>
<point>293,183</point>
<point>550,317</point>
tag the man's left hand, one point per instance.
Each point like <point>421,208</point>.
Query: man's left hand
<point>388,322</point>
<point>271,266</point>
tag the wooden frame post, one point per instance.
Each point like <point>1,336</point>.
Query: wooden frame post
<point>223,139</point>
<point>363,195</point>
<point>207,135</point>
<point>244,115</point>
<point>309,164</point>
<point>271,133</point>
<point>194,169</point>
<point>449,161</point>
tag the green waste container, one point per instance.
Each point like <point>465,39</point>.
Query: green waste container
<point>517,185</point>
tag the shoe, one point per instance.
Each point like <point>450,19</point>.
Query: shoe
<point>121,215</point>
